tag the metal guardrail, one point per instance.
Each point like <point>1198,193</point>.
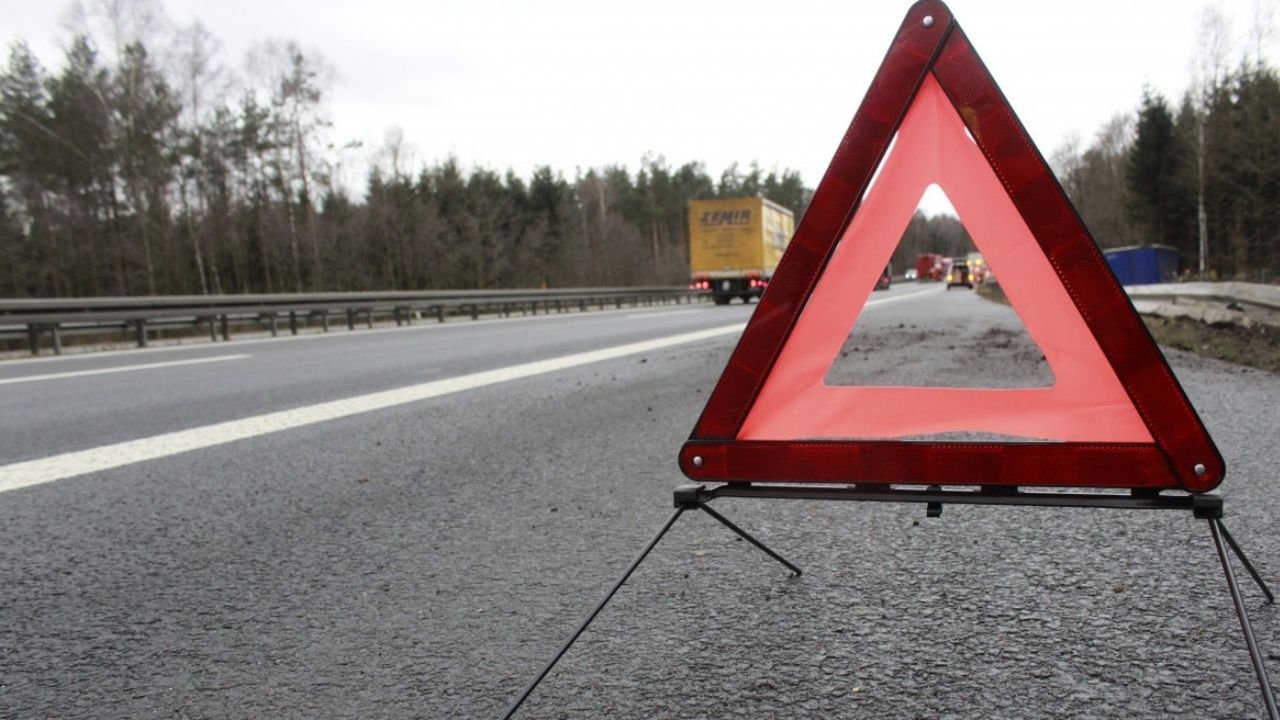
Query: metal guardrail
<point>1235,302</point>
<point>1212,302</point>
<point>141,316</point>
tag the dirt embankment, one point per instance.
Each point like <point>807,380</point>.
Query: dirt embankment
<point>1257,346</point>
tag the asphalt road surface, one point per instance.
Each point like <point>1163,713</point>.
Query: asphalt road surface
<point>408,523</point>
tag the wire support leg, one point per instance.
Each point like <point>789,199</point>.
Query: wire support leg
<point>1245,561</point>
<point>1268,697</point>
<point>746,536</point>
<point>582,628</point>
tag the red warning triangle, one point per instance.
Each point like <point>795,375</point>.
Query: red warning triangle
<point>1115,415</point>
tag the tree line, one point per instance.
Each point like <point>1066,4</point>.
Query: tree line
<point>142,166</point>
<point>1201,175</point>
<point>133,172</point>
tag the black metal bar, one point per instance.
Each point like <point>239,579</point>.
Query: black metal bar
<point>226,328</point>
<point>1011,495</point>
<point>1268,697</point>
<point>140,330</point>
<point>293,323</point>
<point>582,628</point>
<point>57,339</point>
<point>1247,565</point>
<point>747,536</point>
<point>33,338</point>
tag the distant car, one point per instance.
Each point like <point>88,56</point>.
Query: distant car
<point>884,281</point>
<point>959,275</point>
<point>910,274</point>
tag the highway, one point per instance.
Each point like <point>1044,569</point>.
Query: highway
<point>407,522</point>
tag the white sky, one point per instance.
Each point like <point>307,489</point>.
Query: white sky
<point>583,84</point>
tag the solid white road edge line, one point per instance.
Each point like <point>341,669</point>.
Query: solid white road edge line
<point>664,313</point>
<point>58,467</point>
<point>123,368</point>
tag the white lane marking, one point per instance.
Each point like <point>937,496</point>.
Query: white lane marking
<point>878,301</point>
<point>124,368</point>
<point>908,296</point>
<point>664,313</point>
<point>58,467</point>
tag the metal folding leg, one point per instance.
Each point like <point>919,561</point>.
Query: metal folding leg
<point>1268,696</point>
<point>693,500</point>
<point>1244,560</point>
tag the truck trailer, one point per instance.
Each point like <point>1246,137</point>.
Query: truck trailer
<point>1144,264</point>
<point>930,267</point>
<point>735,245</point>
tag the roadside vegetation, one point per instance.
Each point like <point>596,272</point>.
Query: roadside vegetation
<point>1256,345</point>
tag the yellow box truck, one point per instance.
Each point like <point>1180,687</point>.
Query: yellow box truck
<point>735,244</point>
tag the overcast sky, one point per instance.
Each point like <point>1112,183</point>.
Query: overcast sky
<point>584,84</point>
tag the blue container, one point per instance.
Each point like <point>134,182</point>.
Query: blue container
<point>1144,264</point>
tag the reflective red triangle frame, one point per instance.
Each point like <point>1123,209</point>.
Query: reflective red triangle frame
<point>1182,456</point>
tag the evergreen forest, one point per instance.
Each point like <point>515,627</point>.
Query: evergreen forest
<point>137,167</point>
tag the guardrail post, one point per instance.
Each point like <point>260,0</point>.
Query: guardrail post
<point>368,317</point>
<point>293,322</point>
<point>324,320</point>
<point>351,319</point>
<point>140,331</point>
<point>226,329</point>
<point>475,311</point>
<point>440,313</point>
<point>398,319</point>
<point>275,325</point>
<point>213,328</point>
<point>57,339</point>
